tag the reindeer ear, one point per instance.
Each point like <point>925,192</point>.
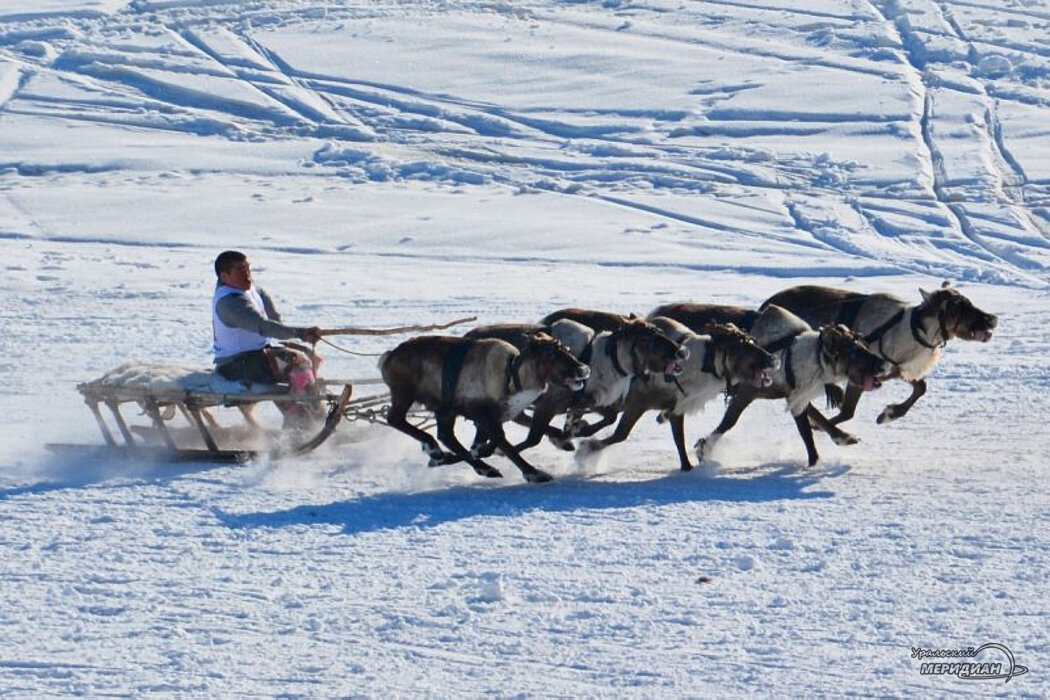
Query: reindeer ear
<point>925,295</point>
<point>945,284</point>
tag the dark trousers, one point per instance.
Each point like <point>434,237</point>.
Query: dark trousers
<point>252,367</point>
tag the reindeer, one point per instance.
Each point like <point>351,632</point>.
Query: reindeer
<point>911,337</point>
<point>808,360</point>
<point>720,359</point>
<point>636,348</point>
<point>488,381</point>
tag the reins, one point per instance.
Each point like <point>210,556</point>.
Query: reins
<point>386,331</point>
<point>350,352</point>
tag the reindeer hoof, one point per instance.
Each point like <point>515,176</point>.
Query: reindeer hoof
<point>888,414</point>
<point>440,459</point>
<point>537,477</point>
<point>686,467</point>
<point>488,472</point>
<point>845,439</point>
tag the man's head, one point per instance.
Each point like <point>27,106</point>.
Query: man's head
<point>233,269</point>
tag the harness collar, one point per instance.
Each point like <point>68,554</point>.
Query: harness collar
<point>917,329</point>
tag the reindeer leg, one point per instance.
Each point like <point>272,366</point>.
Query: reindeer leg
<point>806,431</point>
<point>838,436</point>
<point>608,417</point>
<point>739,402</point>
<point>678,433</point>
<point>483,445</point>
<point>446,423</point>
<point>895,411</point>
<point>627,422</point>
<point>494,429</point>
<point>542,413</point>
<point>849,404</point>
<point>396,418</point>
<point>558,437</point>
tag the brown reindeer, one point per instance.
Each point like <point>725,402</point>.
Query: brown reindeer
<point>635,348</point>
<point>718,360</point>
<point>912,337</point>
<point>808,360</point>
<point>488,381</point>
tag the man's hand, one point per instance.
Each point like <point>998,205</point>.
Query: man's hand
<point>310,335</point>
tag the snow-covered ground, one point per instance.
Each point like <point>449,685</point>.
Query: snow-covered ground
<point>387,163</point>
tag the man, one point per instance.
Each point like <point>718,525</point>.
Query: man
<point>243,320</point>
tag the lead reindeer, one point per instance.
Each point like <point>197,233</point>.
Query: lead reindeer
<point>912,337</point>
<point>487,381</point>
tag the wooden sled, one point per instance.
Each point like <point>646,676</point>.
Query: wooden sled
<point>201,438</point>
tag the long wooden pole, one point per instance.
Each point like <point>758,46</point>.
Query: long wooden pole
<point>395,331</point>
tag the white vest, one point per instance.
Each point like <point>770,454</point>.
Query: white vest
<point>231,341</point>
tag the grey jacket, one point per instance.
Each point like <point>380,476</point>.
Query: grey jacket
<point>236,311</point>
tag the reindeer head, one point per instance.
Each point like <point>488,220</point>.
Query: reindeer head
<point>956,315</point>
<point>650,349</point>
<point>744,359</point>
<point>554,362</point>
<point>846,353</point>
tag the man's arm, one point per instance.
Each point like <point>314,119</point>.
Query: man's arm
<point>268,306</point>
<point>237,312</point>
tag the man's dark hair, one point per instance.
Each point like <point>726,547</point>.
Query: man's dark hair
<point>227,259</point>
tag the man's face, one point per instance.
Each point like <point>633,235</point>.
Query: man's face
<point>239,276</point>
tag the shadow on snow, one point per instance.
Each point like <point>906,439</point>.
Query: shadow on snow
<point>433,508</point>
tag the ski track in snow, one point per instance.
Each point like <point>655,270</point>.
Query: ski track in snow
<point>613,155</point>
<point>294,101</point>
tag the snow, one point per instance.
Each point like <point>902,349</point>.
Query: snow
<point>387,163</point>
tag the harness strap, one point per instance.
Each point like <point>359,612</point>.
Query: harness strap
<point>450,371</point>
<point>916,328</point>
<point>780,344</point>
<point>513,378</point>
<point>881,330</point>
<point>610,350</point>
<point>588,351</point>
